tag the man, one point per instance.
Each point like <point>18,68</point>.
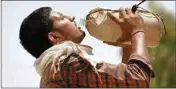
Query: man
<point>54,39</point>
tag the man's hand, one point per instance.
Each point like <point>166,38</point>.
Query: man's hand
<point>129,22</point>
<point>132,28</point>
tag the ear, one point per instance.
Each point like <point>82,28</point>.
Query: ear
<point>55,37</point>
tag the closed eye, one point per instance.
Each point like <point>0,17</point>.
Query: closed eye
<point>61,16</point>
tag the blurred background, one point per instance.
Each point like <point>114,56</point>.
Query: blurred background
<point>17,64</point>
<point>163,57</point>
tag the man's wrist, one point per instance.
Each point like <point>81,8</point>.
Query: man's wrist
<point>135,31</point>
<point>138,37</point>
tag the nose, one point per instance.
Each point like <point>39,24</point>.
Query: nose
<point>71,18</point>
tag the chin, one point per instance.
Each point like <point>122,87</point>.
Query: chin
<point>81,37</point>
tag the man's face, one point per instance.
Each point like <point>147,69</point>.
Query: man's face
<point>66,27</point>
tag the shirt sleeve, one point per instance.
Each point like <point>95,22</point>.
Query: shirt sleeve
<point>143,63</point>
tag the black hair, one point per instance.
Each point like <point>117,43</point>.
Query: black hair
<point>34,31</point>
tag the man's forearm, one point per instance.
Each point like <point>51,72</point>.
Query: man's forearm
<point>139,44</point>
<point>126,54</point>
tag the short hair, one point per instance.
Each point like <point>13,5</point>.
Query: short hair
<point>34,31</point>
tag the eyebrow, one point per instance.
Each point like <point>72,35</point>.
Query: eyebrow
<point>59,13</point>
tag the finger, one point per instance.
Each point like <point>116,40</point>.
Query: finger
<point>136,13</point>
<point>114,18</point>
<point>122,12</point>
<point>128,11</point>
